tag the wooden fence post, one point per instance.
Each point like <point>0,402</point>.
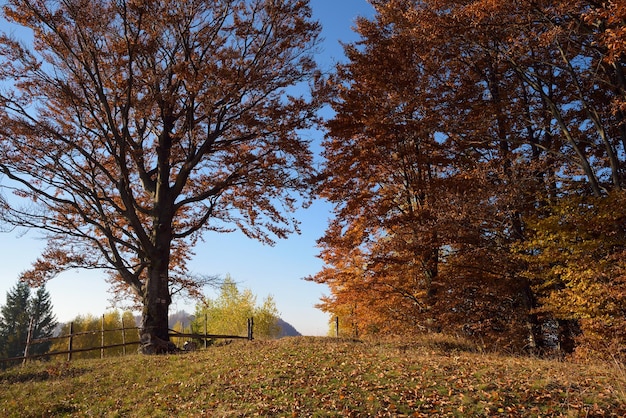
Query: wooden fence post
<point>123,337</point>
<point>250,328</point>
<point>206,318</point>
<point>102,337</point>
<point>69,344</point>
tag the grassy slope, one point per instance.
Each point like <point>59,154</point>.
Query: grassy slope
<point>306,376</point>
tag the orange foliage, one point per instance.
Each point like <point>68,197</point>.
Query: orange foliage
<point>455,122</point>
<point>133,127</point>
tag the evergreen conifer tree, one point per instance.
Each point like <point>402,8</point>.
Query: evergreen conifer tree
<point>44,321</point>
<point>16,316</point>
<point>14,321</point>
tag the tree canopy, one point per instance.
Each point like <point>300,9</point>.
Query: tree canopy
<point>128,129</point>
<point>471,142</point>
<point>475,159</point>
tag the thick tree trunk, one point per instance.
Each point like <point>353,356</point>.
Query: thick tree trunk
<point>568,329</point>
<point>154,331</point>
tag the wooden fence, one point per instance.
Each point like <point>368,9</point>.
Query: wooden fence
<point>70,341</point>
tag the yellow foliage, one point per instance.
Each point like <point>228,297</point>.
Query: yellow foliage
<point>228,314</point>
<point>89,330</point>
<point>576,265</point>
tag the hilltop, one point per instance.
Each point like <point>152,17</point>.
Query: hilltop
<point>306,376</point>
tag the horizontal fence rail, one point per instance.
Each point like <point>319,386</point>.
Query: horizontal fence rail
<point>70,337</point>
<point>207,336</point>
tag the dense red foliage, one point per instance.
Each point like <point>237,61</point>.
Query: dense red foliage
<point>456,124</point>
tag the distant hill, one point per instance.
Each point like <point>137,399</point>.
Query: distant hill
<point>287,330</point>
<point>180,316</point>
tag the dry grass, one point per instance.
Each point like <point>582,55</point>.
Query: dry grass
<point>317,377</point>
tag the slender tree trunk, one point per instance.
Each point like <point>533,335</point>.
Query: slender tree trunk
<point>431,270</point>
<point>535,336</point>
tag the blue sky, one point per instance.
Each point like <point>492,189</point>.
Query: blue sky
<point>276,271</point>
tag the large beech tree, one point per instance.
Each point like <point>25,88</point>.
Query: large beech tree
<point>131,127</point>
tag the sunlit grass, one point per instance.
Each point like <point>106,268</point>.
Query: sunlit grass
<point>316,377</point>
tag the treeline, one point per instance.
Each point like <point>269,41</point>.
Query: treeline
<point>476,161</point>
<point>119,328</point>
<point>228,312</point>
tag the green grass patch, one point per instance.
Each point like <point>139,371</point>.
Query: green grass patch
<point>318,377</point>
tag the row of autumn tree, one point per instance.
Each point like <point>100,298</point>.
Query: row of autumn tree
<point>476,161</point>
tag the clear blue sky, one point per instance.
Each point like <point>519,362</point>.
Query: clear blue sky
<point>276,271</point>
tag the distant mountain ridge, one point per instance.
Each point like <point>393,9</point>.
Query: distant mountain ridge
<point>180,316</point>
<point>287,330</point>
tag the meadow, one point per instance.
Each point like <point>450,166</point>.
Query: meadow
<point>317,377</point>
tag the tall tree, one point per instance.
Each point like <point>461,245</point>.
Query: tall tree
<point>419,159</point>
<point>43,319</point>
<point>24,313</point>
<point>14,321</point>
<point>133,127</point>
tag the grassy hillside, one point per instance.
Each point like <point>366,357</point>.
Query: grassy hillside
<point>305,376</point>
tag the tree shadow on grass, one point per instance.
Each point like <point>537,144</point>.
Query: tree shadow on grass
<point>52,372</point>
